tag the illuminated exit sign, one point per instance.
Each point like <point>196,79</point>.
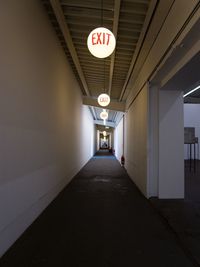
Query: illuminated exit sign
<point>101,42</point>
<point>104,100</point>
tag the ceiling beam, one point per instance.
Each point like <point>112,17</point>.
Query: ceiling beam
<point>139,45</point>
<point>68,39</point>
<point>115,30</point>
<point>192,100</point>
<point>114,105</point>
<point>108,123</point>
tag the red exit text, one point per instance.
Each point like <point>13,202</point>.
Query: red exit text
<point>100,38</point>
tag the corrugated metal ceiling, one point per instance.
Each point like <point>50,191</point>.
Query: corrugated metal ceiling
<point>125,18</point>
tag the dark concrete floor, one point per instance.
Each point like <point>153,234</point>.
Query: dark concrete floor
<point>192,181</point>
<point>183,216</point>
<point>99,220</point>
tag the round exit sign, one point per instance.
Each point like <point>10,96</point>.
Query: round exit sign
<point>103,100</point>
<point>104,115</point>
<point>101,42</point>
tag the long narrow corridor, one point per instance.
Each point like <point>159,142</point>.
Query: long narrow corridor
<point>100,219</point>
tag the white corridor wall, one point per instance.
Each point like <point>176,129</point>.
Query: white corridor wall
<point>171,140</point>
<point>118,140</point>
<point>192,119</point>
<point>136,136</point>
<point>46,134</point>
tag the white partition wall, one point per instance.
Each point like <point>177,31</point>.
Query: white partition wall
<point>171,148</point>
<point>45,132</point>
<point>118,140</point>
<point>154,153</point>
<point>192,119</point>
<point>97,140</point>
<point>136,121</point>
<point>153,141</point>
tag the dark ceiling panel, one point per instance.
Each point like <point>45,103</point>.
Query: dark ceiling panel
<point>82,16</point>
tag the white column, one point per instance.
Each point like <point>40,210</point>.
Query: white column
<point>153,141</point>
<point>171,144</point>
<point>98,140</point>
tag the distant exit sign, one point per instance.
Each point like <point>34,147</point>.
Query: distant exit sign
<point>104,100</point>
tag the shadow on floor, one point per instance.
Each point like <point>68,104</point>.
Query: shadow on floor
<point>99,220</point>
<point>183,216</point>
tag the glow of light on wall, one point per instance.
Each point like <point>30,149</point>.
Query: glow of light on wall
<point>104,133</point>
<point>103,100</point>
<point>101,42</point>
<point>193,90</point>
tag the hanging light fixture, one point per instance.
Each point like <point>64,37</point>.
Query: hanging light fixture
<point>104,115</point>
<point>103,100</point>
<point>101,41</point>
<point>104,133</point>
<point>101,44</point>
